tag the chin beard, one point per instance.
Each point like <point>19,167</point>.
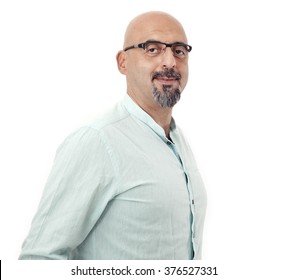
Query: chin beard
<point>168,98</point>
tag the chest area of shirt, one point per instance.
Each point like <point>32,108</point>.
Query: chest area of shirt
<point>152,174</point>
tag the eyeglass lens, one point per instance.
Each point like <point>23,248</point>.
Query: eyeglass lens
<point>155,48</point>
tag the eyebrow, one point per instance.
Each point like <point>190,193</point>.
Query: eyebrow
<point>157,41</point>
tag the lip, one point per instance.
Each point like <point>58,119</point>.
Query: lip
<point>166,81</point>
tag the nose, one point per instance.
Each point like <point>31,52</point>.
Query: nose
<point>168,58</point>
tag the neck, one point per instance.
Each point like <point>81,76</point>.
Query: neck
<point>162,116</point>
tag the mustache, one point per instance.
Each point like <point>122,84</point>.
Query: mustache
<point>167,73</point>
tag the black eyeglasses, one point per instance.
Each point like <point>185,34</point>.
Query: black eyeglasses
<point>154,48</point>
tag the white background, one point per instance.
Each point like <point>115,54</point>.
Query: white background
<point>58,70</point>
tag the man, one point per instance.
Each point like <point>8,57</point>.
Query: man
<point>126,186</point>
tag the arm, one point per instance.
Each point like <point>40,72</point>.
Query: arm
<point>81,183</point>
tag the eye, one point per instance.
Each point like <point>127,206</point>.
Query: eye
<point>180,51</point>
<point>153,49</point>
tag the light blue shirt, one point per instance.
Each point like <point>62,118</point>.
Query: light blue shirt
<point>119,189</point>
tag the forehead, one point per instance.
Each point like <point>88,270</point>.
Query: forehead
<point>156,27</point>
<point>166,36</point>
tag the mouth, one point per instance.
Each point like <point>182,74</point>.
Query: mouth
<point>167,81</point>
<point>167,77</point>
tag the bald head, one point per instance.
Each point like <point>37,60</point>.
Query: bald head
<point>155,76</point>
<point>149,24</point>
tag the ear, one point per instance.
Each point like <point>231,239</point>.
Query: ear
<point>122,62</point>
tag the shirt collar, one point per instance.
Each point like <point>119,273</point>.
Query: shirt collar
<point>141,115</point>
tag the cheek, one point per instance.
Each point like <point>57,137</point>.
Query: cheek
<point>184,79</point>
<point>140,72</point>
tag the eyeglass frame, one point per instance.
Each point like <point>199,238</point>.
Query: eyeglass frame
<point>142,45</point>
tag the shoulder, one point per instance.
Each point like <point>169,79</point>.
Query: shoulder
<point>111,117</point>
<point>92,135</point>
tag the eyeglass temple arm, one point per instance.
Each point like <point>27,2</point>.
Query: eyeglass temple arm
<point>141,45</point>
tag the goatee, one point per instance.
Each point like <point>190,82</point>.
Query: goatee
<point>169,96</point>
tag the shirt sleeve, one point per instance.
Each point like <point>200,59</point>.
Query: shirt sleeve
<point>81,183</point>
